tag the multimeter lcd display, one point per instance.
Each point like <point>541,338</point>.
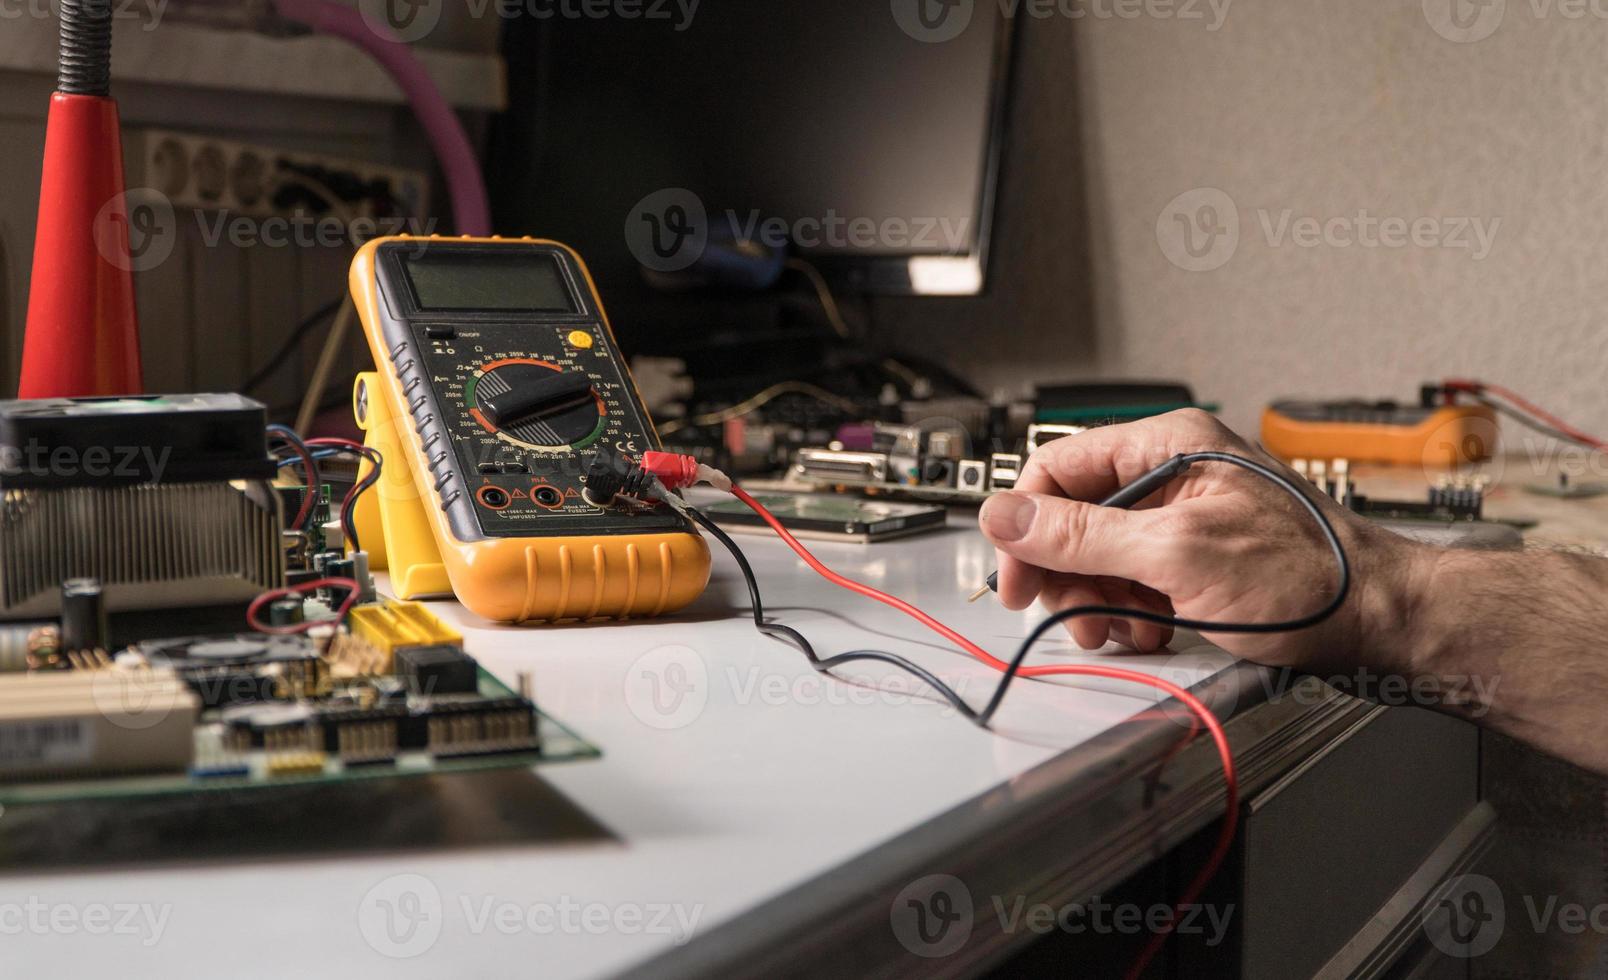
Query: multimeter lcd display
<point>447,280</point>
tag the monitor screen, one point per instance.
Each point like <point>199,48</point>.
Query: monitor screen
<point>856,133</point>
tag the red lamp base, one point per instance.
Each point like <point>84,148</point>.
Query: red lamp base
<point>82,335</point>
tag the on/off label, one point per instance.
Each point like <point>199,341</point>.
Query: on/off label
<point>45,744</point>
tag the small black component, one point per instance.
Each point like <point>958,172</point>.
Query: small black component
<point>286,612</point>
<point>448,727</point>
<point>938,472</point>
<point>438,670</point>
<point>363,736</point>
<point>610,473</point>
<point>275,727</point>
<point>441,331</point>
<point>302,576</point>
<point>83,615</point>
<point>291,498</point>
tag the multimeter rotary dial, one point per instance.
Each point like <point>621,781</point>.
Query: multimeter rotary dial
<point>537,404</point>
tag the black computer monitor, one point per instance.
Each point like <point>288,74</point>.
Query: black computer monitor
<point>863,133</point>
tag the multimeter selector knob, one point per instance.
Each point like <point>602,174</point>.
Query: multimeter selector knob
<point>537,398</point>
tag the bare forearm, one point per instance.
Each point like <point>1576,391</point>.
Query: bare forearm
<point>1515,642</point>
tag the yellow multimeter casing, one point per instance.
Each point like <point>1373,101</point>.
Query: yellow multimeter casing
<point>1387,433</point>
<point>497,377</point>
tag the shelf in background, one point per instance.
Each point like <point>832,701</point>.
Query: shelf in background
<point>198,57</point>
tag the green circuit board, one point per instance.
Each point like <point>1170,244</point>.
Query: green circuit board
<point>219,768</point>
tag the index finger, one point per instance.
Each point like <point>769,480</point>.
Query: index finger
<point>1094,464</point>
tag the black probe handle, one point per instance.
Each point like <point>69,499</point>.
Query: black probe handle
<point>1127,497</point>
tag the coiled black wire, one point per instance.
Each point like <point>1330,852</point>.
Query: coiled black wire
<point>85,59</point>
<point>983,717</point>
<point>791,635</point>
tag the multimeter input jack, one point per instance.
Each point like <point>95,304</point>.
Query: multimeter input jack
<point>494,497</point>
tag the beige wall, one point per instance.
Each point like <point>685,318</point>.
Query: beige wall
<point>1326,110</point>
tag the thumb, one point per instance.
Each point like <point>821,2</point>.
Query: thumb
<point>1063,535</point>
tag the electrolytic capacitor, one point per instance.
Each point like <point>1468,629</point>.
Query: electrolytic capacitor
<point>286,612</point>
<point>83,615</point>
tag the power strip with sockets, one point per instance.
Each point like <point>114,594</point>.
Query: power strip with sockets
<point>195,171</point>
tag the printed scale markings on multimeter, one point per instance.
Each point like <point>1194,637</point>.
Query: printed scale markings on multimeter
<point>576,428</point>
<point>570,413</point>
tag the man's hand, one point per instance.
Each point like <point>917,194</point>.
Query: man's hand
<point>1505,638</point>
<point>1218,543</point>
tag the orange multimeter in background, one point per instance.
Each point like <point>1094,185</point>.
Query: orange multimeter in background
<point>1438,435</point>
<point>497,374</point>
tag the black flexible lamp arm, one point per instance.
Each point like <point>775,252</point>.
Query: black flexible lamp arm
<point>86,48</point>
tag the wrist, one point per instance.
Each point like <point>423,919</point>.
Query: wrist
<point>1394,579</point>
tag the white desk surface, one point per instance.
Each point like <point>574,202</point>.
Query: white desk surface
<point>731,773</point>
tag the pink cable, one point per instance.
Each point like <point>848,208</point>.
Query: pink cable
<point>466,186</point>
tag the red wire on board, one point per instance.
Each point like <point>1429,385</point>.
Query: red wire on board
<point>257,605</point>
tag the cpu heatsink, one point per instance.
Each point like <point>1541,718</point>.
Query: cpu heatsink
<point>151,546</point>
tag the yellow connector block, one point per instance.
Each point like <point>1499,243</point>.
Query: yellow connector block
<point>296,764</point>
<point>391,626</point>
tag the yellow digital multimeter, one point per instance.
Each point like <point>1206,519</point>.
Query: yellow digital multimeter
<point>497,376</point>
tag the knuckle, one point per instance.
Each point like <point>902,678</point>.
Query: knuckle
<point>1061,458</point>
<point>1041,463</point>
<point>1071,527</point>
<point>1202,423</point>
